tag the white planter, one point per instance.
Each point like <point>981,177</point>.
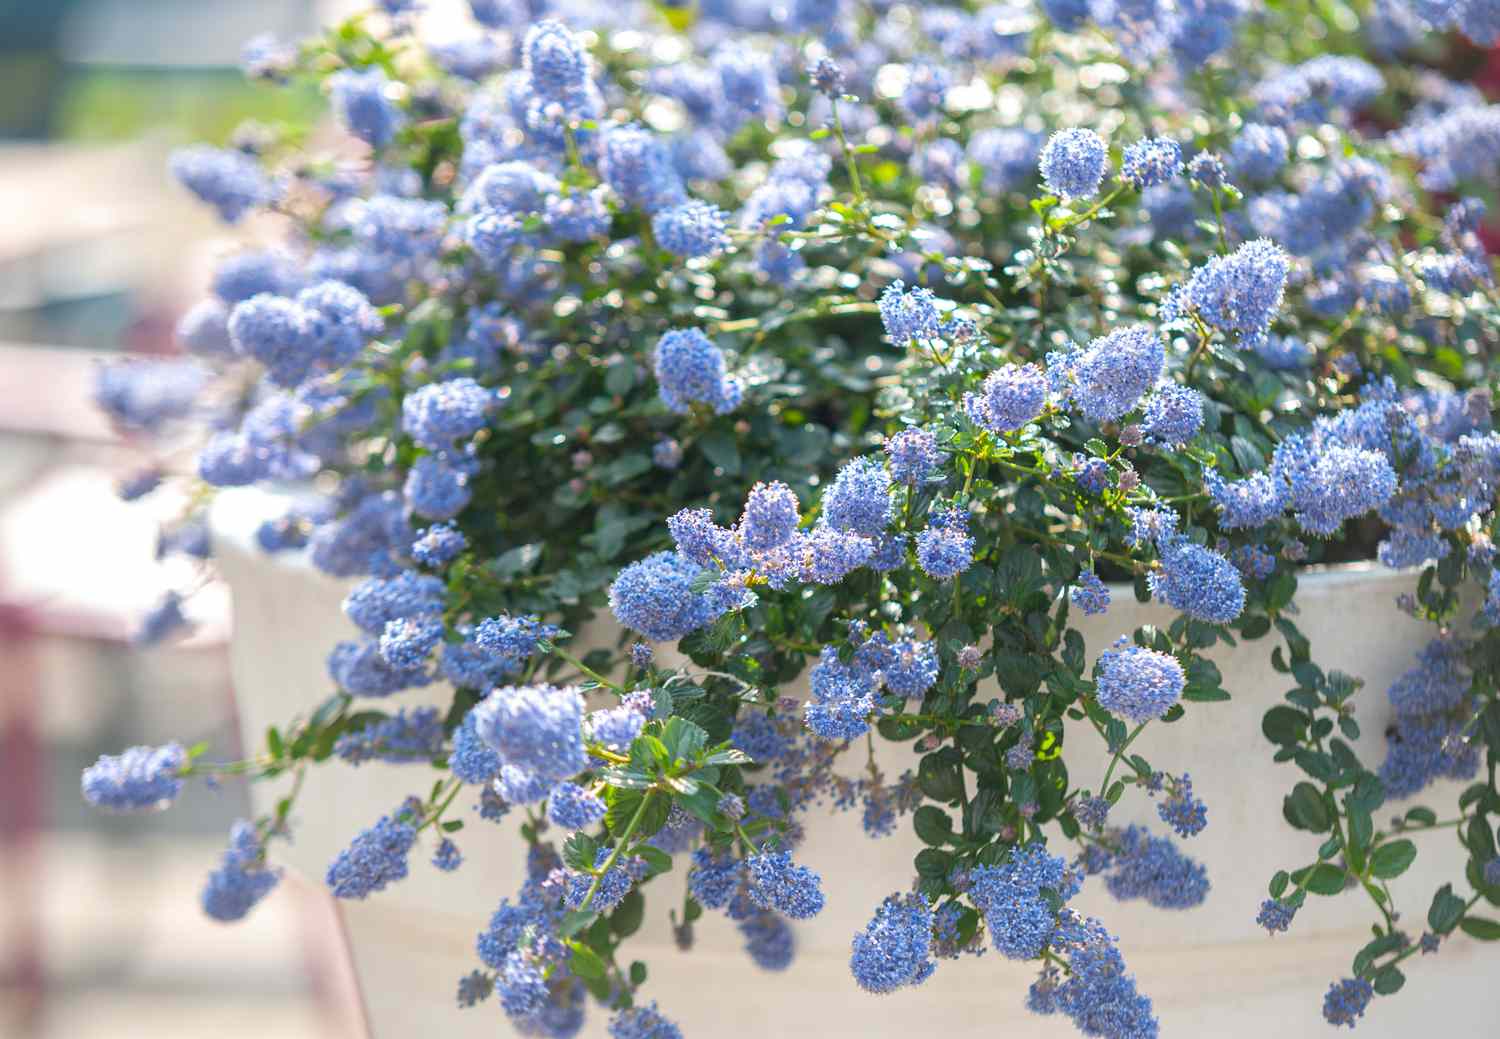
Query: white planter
<point>1211,971</point>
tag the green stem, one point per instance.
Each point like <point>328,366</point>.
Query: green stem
<point>1120,753</point>
<point>614,855</point>
<point>586,670</point>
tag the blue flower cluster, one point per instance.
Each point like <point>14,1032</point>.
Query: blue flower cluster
<point>690,370</point>
<point>895,948</point>
<point>1137,683</point>
<point>1433,708</point>
<point>376,859</point>
<point>242,879</point>
<point>537,730</point>
<point>140,779</point>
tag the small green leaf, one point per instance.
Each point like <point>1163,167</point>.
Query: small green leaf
<point>586,963</point>
<point>933,825</point>
<point>1389,980</point>
<point>1322,879</point>
<point>1391,860</point>
<point>1479,927</point>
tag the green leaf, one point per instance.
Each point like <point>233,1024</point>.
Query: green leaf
<point>1391,860</point>
<point>1374,949</point>
<point>1322,879</point>
<point>1389,980</point>
<point>657,861</point>
<point>939,777</point>
<point>1446,910</point>
<point>933,825</point>
<point>637,973</point>
<point>683,739</point>
<point>1304,808</point>
<point>1479,927</point>
<point>1201,695</point>
<point>1284,725</point>
<point>576,920</point>
<point>933,864</point>
<point>580,851</point>
<point>721,450</point>
<point>626,920</point>
<point>586,963</point>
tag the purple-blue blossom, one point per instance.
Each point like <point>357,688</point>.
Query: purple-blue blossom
<point>1138,684</point>
<point>137,780</point>
<point>1073,163</point>
<point>895,948</point>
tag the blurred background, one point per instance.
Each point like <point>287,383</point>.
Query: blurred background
<point>100,929</point>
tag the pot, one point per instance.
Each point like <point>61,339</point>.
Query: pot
<point>1211,971</point>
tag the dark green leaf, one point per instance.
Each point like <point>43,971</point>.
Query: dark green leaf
<point>1479,927</point>
<point>1391,860</point>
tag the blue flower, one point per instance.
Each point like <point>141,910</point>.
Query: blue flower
<point>447,857</point>
<point>242,879</point>
<point>842,698</point>
<point>775,882</point>
<point>1073,163</point>
<point>1259,152</point>
<point>1182,811</point>
<point>945,548</point>
<point>405,737</point>
<point>770,518</point>
<point>642,1023</point>
<point>913,455</point>
<point>636,164</point>
<point>1251,502</point>
<point>1006,157</point>
<point>1199,582</point>
<point>140,779</point>
<point>859,499</point>
<point>1010,397</point>
<point>359,669</point>
<point>1013,899</point>
<point>1238,293</point>
<point>826,76</point>
<point>691,229</point>
<point>407,642</point>
<point>535,727</point>
<point>1275,915</point>
<point>1090,594</point>
<point>225,178</point>
<point>1097,993</point>
<point>472,760</point>
<point>1346,1001</point>
<point>362,100</point>
<point>1112,374</point>
<point>909,314</point>
<point>1137,683</point>
<point>440,413</point>
<point>375,859</point>
<point>690,370</point>
<point>377,601</point>
<point>439,545</point>
<point>1151,161</point>
<point>655,597</point>
<point>1152,869</point>
<point>895,948</point>
<point>574,808</point>
<point>769,941</point>
<point>1173,415</point>
<point>162,622</point>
